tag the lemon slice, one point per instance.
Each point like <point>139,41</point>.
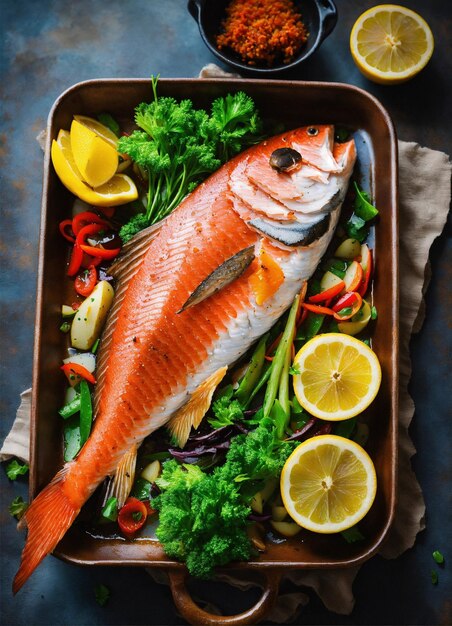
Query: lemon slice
<point>391,44</point>
<point>339,376</point>
<point>328,484</point>
<point>96,159</point>
<point>120,189</point>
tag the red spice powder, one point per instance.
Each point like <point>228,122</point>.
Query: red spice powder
<point>263,31</point>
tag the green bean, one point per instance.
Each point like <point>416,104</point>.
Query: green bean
<point>86,412</point>
<point>253,372</point>
<point>70,408</point>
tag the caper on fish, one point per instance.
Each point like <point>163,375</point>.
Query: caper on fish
<point>285,159</point>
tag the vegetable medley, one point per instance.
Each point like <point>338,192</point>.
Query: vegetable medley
<point>216,494</point>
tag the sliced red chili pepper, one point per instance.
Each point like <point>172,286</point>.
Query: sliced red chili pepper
<point>75,261</point>
<point>66,230</point>
<point>102,253</point>
<point>328,293</point>
<point>75,369</point>
<point>86,218</point>
<point>85,231</point>
<point>348,299</point>
<point>132,516</point>
<point>304,315</point>
<point>366,278</point>
<point>88,260</point>
<point>315,308</point>
<point>86,281</point>
<point>354,308</point>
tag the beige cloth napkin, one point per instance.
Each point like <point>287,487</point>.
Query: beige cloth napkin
<point>424,191</point>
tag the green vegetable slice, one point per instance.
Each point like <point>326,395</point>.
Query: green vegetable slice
<point>110,510</point>
<point>86,412</point>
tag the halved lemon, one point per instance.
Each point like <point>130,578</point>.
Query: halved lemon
<point>96,159</point>
<point>328,484</point>
<point>120,189</point>
<point>390,43</point>
<point>339,376</point>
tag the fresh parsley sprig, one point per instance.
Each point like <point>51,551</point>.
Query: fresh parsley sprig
<point>178,146</point>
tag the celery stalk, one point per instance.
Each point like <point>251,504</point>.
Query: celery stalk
<point>253,372</point>
<point>280,359</point>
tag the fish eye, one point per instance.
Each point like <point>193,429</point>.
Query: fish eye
<point>312,132</point>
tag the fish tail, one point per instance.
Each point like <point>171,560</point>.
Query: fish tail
<point>48,518</point>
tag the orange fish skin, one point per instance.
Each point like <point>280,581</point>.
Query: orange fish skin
<point>157,357</point>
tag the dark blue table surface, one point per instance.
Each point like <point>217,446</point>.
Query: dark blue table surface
<point>50,45</point>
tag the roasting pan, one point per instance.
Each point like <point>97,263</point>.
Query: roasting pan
<point>292,104</point>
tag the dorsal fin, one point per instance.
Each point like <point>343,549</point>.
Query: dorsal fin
<point>123,270</point>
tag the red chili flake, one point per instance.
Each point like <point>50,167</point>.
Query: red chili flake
<point>263,32</point>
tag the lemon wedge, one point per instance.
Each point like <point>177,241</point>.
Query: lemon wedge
<point>120,189</point>
<point>96,159</point>
<point>108,135</point>
<point>339,376</point>
<point>328,484</point>
<point>98,128</point>
<point>390,44</point>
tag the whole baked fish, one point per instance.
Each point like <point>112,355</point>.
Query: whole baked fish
<point>193,295</point>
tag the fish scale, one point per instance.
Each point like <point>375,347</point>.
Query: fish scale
<point>152,356</point>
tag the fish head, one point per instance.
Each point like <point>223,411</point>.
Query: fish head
<point>291,187</point>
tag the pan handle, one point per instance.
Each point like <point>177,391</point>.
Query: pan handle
<point>195,615</point>
<point>194,7</point>
<point>328,16</point>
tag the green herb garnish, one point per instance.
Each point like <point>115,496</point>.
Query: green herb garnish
<point>178,146</point>
<point>15,469</point>
<point>18,507</point>
<point>102,594</point>
<point>438,557</point>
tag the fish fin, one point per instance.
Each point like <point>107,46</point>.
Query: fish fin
<point>222,276</point>
<point>48,518</point>
<point>121,485</point>
<point>123,270</point>
<point>192,412</point>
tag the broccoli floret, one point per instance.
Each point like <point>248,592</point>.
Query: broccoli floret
<point>203,518</point>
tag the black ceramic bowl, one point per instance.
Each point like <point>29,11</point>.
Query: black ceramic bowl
<point>319,17</point>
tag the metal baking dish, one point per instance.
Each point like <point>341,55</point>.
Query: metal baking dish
<point>294,104</point>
